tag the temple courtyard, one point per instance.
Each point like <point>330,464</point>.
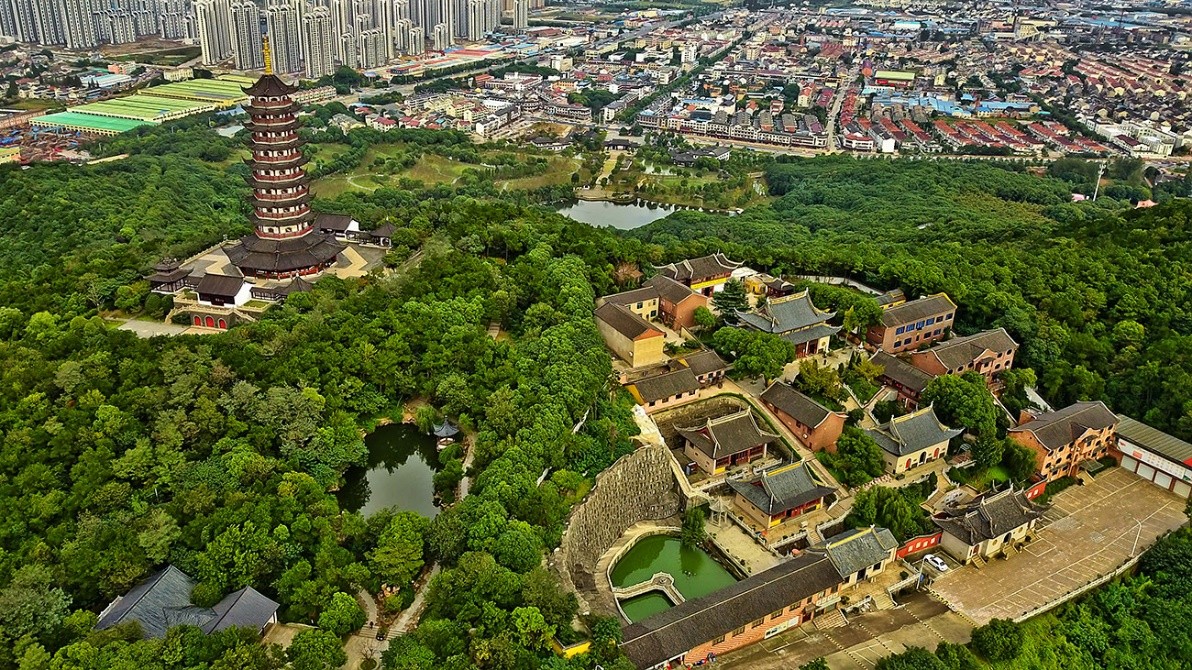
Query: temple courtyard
<point>1089,532</point>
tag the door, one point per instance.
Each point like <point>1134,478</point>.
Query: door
<point>1146,472</point>
<point>1129,463</point>
<point>1182,490</point>
<point>1163,480</point>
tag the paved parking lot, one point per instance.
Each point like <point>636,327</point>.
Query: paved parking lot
<point>922,622</point>
<point>1089,531</point>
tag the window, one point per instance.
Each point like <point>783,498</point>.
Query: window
<point>898,343</point>
<point>739,631</point>
<point>775,615</point>
<point>931,321</point>
<point>718,640</point>
<point>759,622</point>
<point>639,305</point>
<point>949,317</point>
<point>919,326</point>
<point>901,330</point>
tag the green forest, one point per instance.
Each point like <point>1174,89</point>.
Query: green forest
<point>220,454</point>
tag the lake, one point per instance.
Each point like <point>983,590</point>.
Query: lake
<point>400,471</point>
<point>695,573</point>
<point>624,216</point>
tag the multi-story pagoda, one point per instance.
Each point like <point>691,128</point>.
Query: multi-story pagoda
<point>285,242</point>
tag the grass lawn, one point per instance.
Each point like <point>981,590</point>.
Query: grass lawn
<point>559,172</point>
<point>30,104</point>
<point>983,479</point>
<point>431,170</point>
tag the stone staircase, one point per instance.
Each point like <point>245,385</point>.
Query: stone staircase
<point>883,601</point>
<point>833,619</point>
<point>978,562</point>
<point>1009,550</point>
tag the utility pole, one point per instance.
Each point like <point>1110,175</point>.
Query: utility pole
<point>1097,185</point>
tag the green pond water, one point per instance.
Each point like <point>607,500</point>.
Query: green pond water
<point>400,471</point>
<point>696,573</point>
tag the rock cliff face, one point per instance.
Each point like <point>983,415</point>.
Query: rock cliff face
<point>638,487</point>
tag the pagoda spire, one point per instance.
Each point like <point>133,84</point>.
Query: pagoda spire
<point>267,54</point>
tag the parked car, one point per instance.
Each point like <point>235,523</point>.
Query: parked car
<point>936,562</point>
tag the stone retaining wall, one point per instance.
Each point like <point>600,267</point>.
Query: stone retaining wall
<point>638,487</point>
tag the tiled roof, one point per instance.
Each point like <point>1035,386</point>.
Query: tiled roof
<point>668,289</point>
<point>808,334</point>
<point>915,310</point>
<point>666,385</point>
<point>853,550</point>
<point>909,433</point>
<point>782,488</point>
<point>338,222</point>
<point>695,269</point>
<point>1056,429</point>
<point>151,602</point>
<point>632,296</point>
<point>220,285</point>
<point>961,351</point>
<point>728,434</point>
<point>246,608</point>
<point>1152,439</point>
<point>624,321</point>
<point>681,628</point>
<point>903,373</point>
<point>783,315</point>
<point>798,406</point>
<point>704,362</point>
<point>988,516</point>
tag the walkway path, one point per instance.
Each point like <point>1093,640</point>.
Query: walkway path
<point>409,616</point>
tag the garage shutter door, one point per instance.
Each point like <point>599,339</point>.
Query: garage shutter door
<point>1146,472</point>
<point>1182,490</point>
<point>1163,480</point>
<point>1129,463</point>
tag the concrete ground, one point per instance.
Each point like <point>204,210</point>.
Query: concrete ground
<point>739,544</point>
<point>922,621</point>
<point>147,329</point>
<point>1089,531</point>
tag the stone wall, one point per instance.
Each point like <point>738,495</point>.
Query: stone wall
<point>638,487</point>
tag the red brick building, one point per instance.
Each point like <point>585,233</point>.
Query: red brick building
<point>815,426</point>
<point>987,353</point>
<point>1084,431</point>
<point>910,325</point>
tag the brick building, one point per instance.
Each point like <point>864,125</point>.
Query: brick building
<point>781,493</point>
<point>663,299</point>
<point>724,441</point>
<point>632,338</point>
<point>908,380</point>
<point>668,389</point>
<point>913,439</point>
<point>1066,438</point>
<point>705,274</point>
<point>991,523</point>
<point>815,426</point>
<point>795,319</point>
<point>912,324</point>
<point>987,353</point>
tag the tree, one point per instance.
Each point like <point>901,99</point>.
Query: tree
<point>818,380</point>
<point>998,640</point>
<point>704,318</point>
<point>400,551</point>
<point>1020,461</point>
<point>31,604</point>
<point>914,658</point>
<point>693,533</point>
<point>730,299</point>
<point>815,664</point>
<point>343,615</point>
<point>956,657</point>
<point>965,401</point>
<point>316,650</point>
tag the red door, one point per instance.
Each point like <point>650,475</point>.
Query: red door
<point>210,322</point>
<point>198,320</point>
<point>223,324</point>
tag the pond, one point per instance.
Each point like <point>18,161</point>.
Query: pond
<point>401,467</point>
<point>695,572</point>
<point>623,216</point>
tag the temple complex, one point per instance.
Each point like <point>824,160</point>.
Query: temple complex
<point>285,243</point>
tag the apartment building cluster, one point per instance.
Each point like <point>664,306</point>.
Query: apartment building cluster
<point>80,25</point>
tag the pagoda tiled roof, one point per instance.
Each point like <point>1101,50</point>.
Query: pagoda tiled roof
<point>270,86</point>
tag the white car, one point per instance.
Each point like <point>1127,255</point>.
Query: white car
<point>935,562</point>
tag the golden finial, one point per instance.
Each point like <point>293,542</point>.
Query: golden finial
<point>268,55</point>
